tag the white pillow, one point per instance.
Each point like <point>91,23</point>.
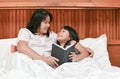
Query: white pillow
<point>5,47</point>
<point>99,46</point>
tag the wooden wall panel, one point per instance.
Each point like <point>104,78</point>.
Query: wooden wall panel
<point>118,24</point>
<point>42,0</point>
<point>88,22</point>
<point>104,21</point>
<point>74,18</point>
<point>114,54</point>
<point>12,20</point>
<point>105,1</point>
<point>30,4</point>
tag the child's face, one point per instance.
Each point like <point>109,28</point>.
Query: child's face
<point>63,35</point>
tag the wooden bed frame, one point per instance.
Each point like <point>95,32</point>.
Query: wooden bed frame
<point>89,18</point>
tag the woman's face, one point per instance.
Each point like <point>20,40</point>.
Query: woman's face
<point>63,35</point>
<point>45,24</point>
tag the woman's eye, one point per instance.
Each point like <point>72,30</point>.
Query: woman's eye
<point>45,22</point>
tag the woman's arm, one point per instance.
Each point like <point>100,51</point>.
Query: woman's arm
<point>83,52</point>
<point>23,47</point>
<point>91,52</point>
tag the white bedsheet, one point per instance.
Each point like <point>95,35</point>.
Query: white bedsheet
<point>19,66</point>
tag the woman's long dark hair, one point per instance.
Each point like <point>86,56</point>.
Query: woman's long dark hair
<point>38,16</point>
<point>73,35</point>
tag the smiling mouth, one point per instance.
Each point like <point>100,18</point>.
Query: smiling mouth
<point>60,36</point>
<point>46,29</point>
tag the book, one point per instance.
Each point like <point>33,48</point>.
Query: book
<point>62,53</point>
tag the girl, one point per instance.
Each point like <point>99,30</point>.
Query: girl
<point>68,36</point>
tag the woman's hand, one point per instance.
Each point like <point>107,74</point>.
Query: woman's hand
<point>52,61</point>
<point>75,57</point>
<point>91,52</point>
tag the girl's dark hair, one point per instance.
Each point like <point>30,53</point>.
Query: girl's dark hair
<point>73,35</point>
<point>38,16</point>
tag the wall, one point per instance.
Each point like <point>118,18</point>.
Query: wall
<point>58,3</point>
<point>88,22</point>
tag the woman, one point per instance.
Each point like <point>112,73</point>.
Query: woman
<point>34,43</point>
<point>36,40</point>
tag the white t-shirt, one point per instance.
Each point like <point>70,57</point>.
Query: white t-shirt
<point>41,44</point>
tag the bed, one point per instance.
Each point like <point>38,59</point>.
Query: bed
<point>101,57</point>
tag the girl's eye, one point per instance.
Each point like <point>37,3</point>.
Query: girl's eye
<point>63,30</point>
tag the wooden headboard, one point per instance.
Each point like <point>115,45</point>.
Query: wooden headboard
<point>90,19</point>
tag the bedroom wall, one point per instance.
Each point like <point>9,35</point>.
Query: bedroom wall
<point>89,21</point>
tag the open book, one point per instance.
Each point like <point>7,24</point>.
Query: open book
<point>62,53</point>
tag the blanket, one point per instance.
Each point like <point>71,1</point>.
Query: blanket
<point>20,66</point>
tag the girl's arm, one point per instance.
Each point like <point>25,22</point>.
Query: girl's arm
<point>83,52</point>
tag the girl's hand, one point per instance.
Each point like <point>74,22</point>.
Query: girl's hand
<point>73,57</point>
<point>91,52</point>
<point>52,61</point>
